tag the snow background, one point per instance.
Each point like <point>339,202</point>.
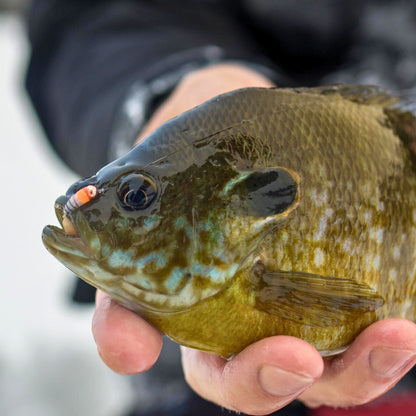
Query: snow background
<point>48,360</point>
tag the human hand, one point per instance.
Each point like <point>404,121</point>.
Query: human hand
<point>270,373</point>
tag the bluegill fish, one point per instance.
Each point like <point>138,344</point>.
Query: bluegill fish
<point>261,212</point>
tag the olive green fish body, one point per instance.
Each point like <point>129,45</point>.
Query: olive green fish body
<point>261,212</point>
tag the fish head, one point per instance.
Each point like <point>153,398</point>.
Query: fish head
<point>172,221</point>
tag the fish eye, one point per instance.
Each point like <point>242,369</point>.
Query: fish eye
<point>136,192</point>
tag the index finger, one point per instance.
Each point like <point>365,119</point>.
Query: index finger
<point>125,342</point>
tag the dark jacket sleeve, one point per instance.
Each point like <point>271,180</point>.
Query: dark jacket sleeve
<point>85,55</point>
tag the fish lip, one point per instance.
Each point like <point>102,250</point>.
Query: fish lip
<point>57,241</point>
<point>62,245</point>
<point>60,242</point>
<point>59,208</point>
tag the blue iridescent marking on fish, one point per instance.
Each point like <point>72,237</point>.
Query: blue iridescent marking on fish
<point>161,261</point>
<point>182,224</point>
<point>174,279</point>
<point>213,273</point>
<point>206,225</point>
<point>216,275</point>
<point>146,284</point>
<point>220,276</point>
<point>120,258</point>
<point>157,256</point>
<point>150,222</point>
<point>216,241</point>
<point>230,184</point>
<point>106,250</point>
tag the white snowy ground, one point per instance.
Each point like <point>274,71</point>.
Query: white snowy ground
<point>48,360</point>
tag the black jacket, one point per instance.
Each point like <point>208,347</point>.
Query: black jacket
<point>92,59</point>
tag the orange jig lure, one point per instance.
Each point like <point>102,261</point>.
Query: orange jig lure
<point>80,198</point>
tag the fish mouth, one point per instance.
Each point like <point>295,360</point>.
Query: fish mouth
<point>70,249</point>
<point>62,245</point>
<point>64,242</point>
<point>74,254</point>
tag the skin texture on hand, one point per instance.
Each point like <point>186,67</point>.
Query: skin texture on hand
<point>272,372</point>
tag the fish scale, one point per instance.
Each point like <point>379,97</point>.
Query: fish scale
<point>276,211</point>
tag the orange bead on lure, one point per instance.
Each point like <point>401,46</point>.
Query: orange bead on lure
<point>80,197</point>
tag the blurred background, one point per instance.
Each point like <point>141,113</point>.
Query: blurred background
<point>48,359</point>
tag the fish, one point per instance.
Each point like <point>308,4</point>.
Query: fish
<point>261,212</point>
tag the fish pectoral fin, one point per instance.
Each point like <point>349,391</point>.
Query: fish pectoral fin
<point>313,299</point>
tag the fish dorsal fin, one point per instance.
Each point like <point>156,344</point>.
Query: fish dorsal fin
<point>399,108</point>
<point>312,299</point>
<point>360,94</point>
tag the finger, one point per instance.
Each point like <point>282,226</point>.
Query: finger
<point>125,342</point>
<point>379,357</point>
<point>261,379</point>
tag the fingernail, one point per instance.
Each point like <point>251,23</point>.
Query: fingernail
<point>389,362</point>
<point>279,382</point>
